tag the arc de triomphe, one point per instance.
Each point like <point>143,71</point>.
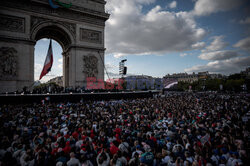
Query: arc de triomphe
<point>77,25</point>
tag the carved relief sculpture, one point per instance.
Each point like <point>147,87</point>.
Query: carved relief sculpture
<point>90,66</point>
<point>12,23</point>
<point>8,62</point>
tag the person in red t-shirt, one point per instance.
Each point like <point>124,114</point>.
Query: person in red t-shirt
<point>75,134</point>
<point>113,148</point>
<point>67,148</point>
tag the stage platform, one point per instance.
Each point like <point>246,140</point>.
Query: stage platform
<point>71,97</point>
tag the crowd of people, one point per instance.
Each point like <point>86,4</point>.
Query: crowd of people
<point>176,130</point>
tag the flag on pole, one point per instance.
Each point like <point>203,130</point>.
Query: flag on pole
<point>48,62</point>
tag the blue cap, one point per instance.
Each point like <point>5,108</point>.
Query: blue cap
<point>168,138</point>
<point>224,150</point>
<point>216,151</point>
<point>222,158</point>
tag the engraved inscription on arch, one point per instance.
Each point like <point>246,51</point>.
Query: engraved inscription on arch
<point>91,36</point>
<point>12,23</point>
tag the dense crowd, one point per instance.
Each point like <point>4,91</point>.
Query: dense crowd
<point>180,129</point>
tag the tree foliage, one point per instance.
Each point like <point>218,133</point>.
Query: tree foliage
<point>235,82</point>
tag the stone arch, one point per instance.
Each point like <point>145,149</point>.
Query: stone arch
<point>78,29</point>
<point>62,35</point>
<point>55,31</point>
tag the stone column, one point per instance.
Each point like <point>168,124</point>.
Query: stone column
<point>17,66</point>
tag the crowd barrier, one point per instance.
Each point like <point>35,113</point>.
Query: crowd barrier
<point>71,97</point>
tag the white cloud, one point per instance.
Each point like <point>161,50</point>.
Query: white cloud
<point>207,7</point>
<point>244,44</point>
<point>173,4</point>
<point>119,55</point>
<point>216,44</point>
<point>38,67</point>
<point>54,72</point>
<point>228,66</point>
<point>60,60</point>
<point>45,39</point>
<point>130,31</point>
<point>199,45</point>
<point>110,66</point>
<point>38,70</point>
<point>219,55</point>
<point>60,66</point>
<point>145,1</point>
<point>183,54</point>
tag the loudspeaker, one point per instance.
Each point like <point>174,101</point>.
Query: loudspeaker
<point>125,71</point>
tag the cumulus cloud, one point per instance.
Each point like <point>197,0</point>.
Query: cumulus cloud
<point>119,55</point>
<point>110,66</point>
<point>244,44</point>
<point>246,21</point>
<point>199,45</point>
<point>219,55</point>
<point>173,4</point>
<point>38,70</point>
<point>216,44</point>
<point>183,54</point>
<point>207,7</point>
<point>130,31</point>
<point>60,60</point>
<point>55,71</point>
<point>228,66</point>
<point>60,66</point>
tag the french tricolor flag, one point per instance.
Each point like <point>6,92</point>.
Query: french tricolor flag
<point>48,62</point>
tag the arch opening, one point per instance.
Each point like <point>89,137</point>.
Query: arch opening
<point>56,33</point>
<point>56,73</point>
<point>61,42</point>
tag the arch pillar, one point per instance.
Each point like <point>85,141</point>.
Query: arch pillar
<point>80,63</point>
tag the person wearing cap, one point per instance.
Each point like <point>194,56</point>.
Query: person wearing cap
<point>215,157</point>
<point>147,157</point>
<point>135,160</point>
<point>222,161</point>
<point>137,150</point>
<point>236,161</point>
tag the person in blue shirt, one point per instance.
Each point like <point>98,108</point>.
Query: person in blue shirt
<point>147,157</point>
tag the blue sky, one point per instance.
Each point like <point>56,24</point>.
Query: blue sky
<point>159,37</point>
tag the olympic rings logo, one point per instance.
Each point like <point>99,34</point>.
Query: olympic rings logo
<point>54,6</point>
